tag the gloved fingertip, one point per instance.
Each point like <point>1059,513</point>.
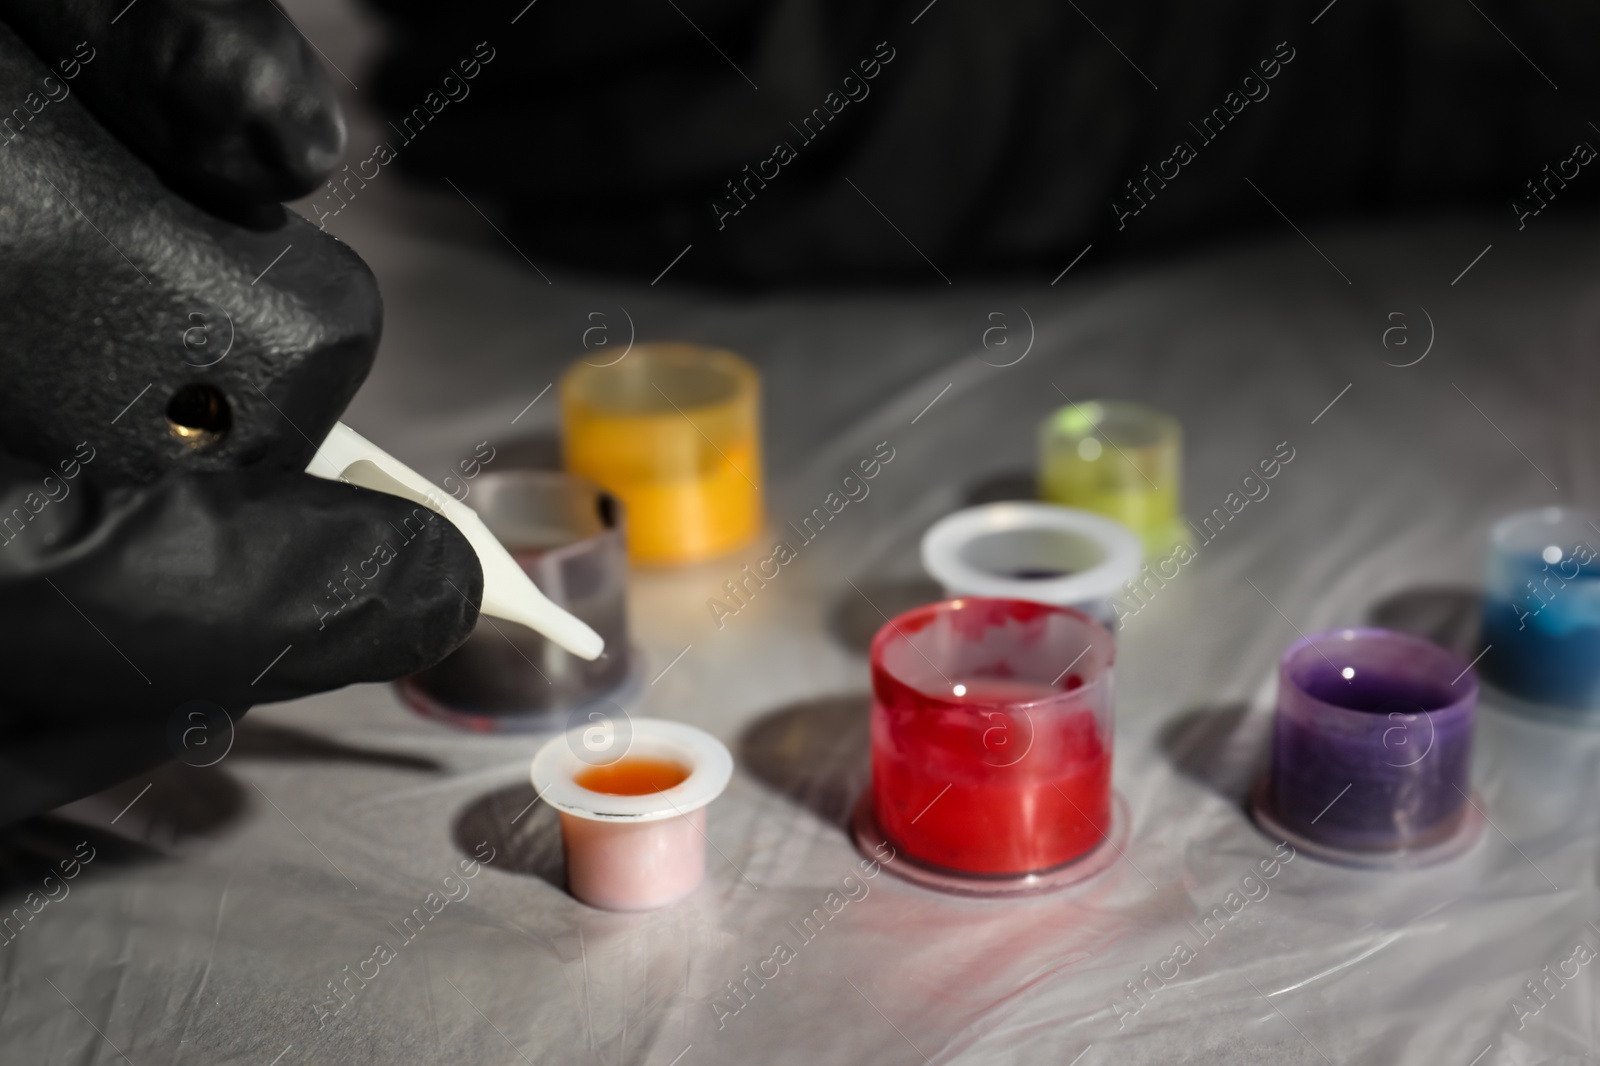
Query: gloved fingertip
<point>292,127</point>
<point>456,566</point>
<point>297,148</point>
<point>431,600</point>
<point>253,113</point>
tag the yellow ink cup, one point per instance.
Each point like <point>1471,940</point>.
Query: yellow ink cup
<point>674,431</point>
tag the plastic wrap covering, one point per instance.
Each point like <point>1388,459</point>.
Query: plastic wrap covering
<point>351,883</point>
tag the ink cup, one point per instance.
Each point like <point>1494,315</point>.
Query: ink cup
<point>674,431</point>
<point>633,828</point>
<point>1119,459</point>
<point>566,534</point>
<point>1541,607</point>
<point>1033,551</point>
<point>1372,751</point>
<point>991,748</point>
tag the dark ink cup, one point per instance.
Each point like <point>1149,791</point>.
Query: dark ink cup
<point>567,535</point>
<point>1372,750</point>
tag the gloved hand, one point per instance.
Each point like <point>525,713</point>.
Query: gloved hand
<point>165,376</point>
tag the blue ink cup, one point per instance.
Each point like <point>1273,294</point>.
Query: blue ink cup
<point>1541,607</point>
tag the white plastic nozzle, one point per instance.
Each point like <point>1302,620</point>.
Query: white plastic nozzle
<point>507,591</point>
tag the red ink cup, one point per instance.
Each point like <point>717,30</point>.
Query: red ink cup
<point>991,747</point>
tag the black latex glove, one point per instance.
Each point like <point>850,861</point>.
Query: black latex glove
<point>159,541</point>
<point>1000,136</point>
<point>224,98</point>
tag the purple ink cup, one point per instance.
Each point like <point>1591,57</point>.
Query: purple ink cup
<point>1372,750</point>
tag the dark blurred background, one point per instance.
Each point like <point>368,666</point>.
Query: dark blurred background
<point>998,138</point>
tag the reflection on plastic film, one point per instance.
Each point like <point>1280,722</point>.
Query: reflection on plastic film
<point>1140,992</point>
<point>744,987</point>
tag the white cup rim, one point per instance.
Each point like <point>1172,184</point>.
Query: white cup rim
<point>945,541</point>
<point>710,768</point>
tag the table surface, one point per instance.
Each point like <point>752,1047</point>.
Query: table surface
<point>223,901</point>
